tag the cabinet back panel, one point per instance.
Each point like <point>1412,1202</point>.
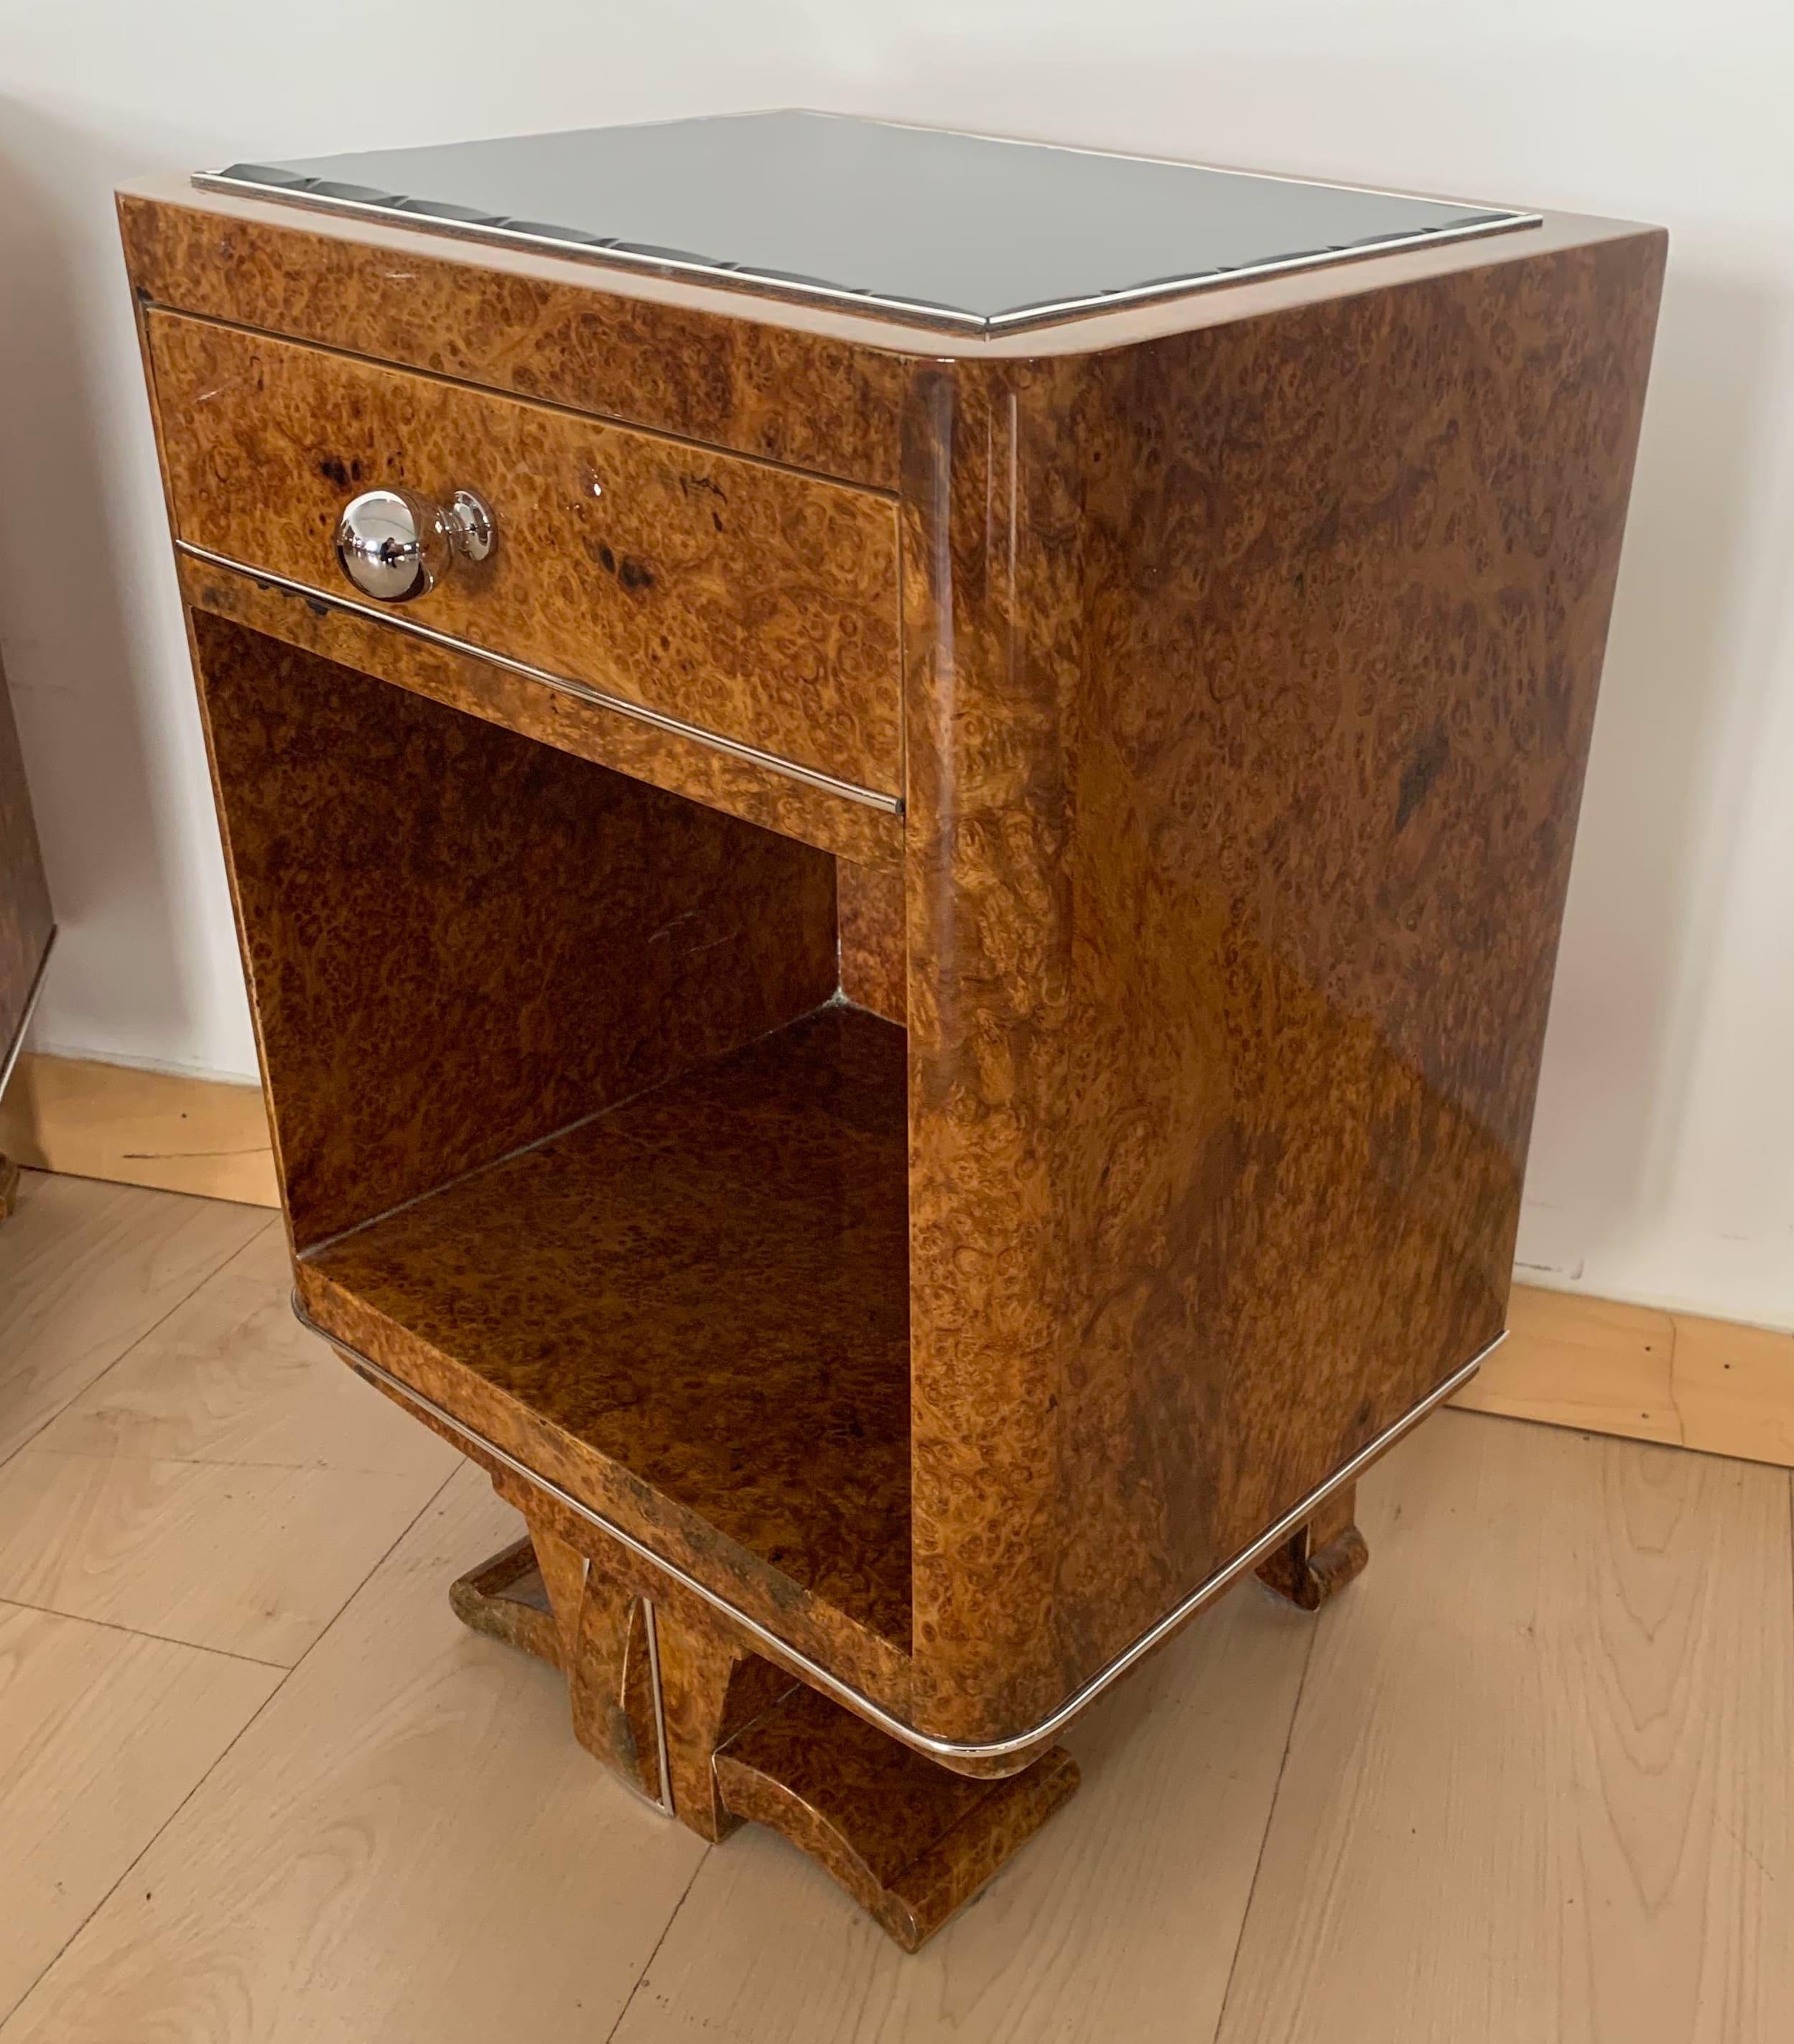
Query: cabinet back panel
<point>458,941</point>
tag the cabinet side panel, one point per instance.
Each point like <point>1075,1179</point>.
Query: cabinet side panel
<point>1245,983</point>
<point>458,941</point>
<point>993,598</point>
<point>872,938</point>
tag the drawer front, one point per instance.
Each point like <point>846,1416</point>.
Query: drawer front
<point>748,601</point>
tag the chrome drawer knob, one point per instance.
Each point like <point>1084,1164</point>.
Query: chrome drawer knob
<point>394,544</point>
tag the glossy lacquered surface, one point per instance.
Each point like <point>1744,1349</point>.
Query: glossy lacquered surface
<point>26,921</point>
<point>460,679</point>
<point>1252,677</point>
<point>908,1841</point>
<point>1237,687</point>
<point>459,941</point>
<point>26,927</point>
<point>745,600</point>
<point>706,1289</point>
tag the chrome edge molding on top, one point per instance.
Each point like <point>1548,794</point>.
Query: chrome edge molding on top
<point>837,298</point>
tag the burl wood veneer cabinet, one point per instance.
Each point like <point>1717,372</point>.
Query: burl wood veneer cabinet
<point>899,809</point>
<point>27,927</point>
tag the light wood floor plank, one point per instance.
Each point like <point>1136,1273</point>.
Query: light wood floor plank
<point>85,1271</point>
<point>1596,1364</point>
<point>228,1484</point>
<point>1734,1388</point>
<point>243,1559</point>
<point>231,1376</point>
<point>98,1120</point>
<point>1538,1786</point>
<point>1117,1923</point>
<point>407,1844</point>
<point>103,1734</point>
<point>1574,1362</point>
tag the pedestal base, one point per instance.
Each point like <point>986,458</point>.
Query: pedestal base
<point>694,1721</point>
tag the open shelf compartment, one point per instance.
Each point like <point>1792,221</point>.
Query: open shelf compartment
<point>706,1285</point>
<point>580,1138</point>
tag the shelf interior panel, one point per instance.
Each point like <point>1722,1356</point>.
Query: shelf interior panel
<point>707,1284</point>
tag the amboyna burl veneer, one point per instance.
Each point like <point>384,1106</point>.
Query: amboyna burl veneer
<point>27,927</point>
<point>899,808</point>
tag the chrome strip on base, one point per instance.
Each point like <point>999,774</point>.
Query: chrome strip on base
<point>843,1692</point>
<point>653,1630</point>
<point>810,776</point>
<point>25,1013</point>
<point>663,1800</point>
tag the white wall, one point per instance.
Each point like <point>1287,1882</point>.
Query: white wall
<point>1663,1166</point>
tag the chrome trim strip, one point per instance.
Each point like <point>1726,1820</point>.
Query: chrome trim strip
<point>843,1692</point>
<point>17,1044</point>
<point>1252,273</point>
<point>909,312</point>
<point>653,1630</point>
<point>663,1801</point>
<point>688,271</point>
<point>810,776</point>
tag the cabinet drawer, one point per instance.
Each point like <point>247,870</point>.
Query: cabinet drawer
<point>748,601</point>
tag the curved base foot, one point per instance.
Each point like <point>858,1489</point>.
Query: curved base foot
<point>909,1842</point>
<point>1317,1563</point>
<point>506,1599</point>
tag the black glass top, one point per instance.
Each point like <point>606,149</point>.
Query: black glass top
<point>960,231</point>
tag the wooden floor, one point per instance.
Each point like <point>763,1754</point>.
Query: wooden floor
<point>1528,1782</point>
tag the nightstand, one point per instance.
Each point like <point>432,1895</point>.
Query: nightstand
<point>899,808</point>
